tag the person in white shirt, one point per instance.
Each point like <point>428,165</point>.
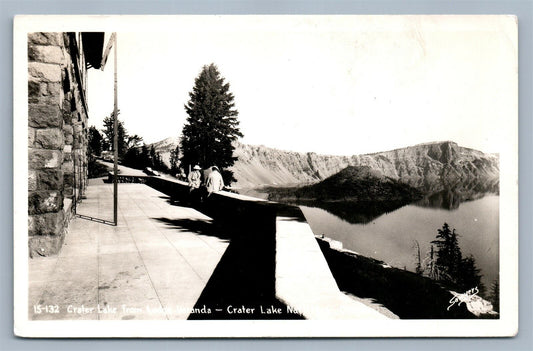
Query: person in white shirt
<point>214,181</point>
<point>195,178</point>
<point>195,181</point>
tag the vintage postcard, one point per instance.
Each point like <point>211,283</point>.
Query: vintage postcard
<point>266,176</point>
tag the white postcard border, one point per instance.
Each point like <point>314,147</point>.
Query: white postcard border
<point>507,325</point>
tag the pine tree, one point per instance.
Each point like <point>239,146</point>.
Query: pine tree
<point>157,160</point>
<point>431,269</point>
<point>145,157</point>
<point>449,257</point>
<point>132,158</point>
<point>469,276</point>
<point>450,264</point>
<point>109,131</point>
<point>153,157</point>
<point>174,160</point>
<point>212,125</point>
<point>95,142</point>
<point>134,141</point>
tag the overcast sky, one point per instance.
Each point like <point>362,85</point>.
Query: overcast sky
<point>331,84</point>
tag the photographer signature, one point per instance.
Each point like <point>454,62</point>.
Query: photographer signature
<point>474,303</point>
<point>462,298</point>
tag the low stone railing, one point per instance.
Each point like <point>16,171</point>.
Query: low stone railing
<point>127,178</point>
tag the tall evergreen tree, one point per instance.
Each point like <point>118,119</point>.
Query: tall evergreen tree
<point>156,162</point>
<point>134,141</point>
<point>469,275</point>
<point>450,264</point>
<point>144,157</point>
<point>431,269</point>
<point>449,257</point>
<point>174,160</point>
<point>95,141</point>
<point>94,149</point>
<point>109,132</point>
<point>212,125</point>
<point>132,158</point>
<point>153,156</point>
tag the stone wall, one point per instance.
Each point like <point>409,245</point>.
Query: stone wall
<point>57,137</point>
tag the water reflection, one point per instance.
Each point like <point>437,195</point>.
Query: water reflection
<point>393,236</point>
<point>474,185</point>
<point>361,212</point>
<point>449,198</point>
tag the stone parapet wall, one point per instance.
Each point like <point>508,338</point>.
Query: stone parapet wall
<point>57,137</point>
<point>126,178</point>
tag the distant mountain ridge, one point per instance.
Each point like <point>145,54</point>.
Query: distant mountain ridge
<point>428,167</point>
<point>164,147</point>
<point>422,166</point>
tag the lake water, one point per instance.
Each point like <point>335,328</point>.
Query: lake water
<point>391,236</point>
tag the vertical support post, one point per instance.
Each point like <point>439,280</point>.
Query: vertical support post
<point>115,140</point>
<point>75,200</point>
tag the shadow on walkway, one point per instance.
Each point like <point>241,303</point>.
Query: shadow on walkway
<point>241,288</point>
<point>242,285</point>
<point>94,219</point>
<point>199,226</point>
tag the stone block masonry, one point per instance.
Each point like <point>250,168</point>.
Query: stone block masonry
<point>57,137</point>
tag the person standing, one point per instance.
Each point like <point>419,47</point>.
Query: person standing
<point>195,180</point>
<point>214,181</point>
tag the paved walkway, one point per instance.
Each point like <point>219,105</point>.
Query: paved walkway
<point>153,265</point>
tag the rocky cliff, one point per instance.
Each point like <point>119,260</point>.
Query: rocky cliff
<point>164,147</point>
<point>428,167</point>
<point>422,166</point>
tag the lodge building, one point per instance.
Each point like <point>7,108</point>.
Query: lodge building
<point>57,131</point>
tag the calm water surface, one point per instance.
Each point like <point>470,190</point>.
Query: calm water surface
<point>391,237</point>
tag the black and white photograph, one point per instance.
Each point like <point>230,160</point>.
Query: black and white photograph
<point>266,176</point>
